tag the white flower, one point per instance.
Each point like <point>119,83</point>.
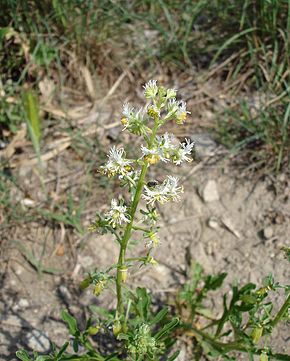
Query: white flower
<point>152,240</point>
<point>171,93</point>
<point>153,155</point>
<point>127,110</point>
<point>166,141</point>
<point>151,89</point>
<point>117,164</point>
<point>133,121</point>
<point>117,214</point>
<point>176,109</point>
<point>171,188</point>
<point>181,155</point>
<point>167,191</point>
<point>181,112</point>
<point>172,106</point>
<point>162,150</point>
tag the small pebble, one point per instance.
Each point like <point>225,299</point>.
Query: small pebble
<point>210,191</point>
<point>23,303</point>
<point>65,294</point>
<point>268,232</point>
<point>213,222</point>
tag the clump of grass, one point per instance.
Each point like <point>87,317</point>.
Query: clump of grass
<point>263,132</point>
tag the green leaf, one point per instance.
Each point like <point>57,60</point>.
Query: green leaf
<point>143,303</point>
<point>31,108</point>
<point>174,356</point>
<point>62,350</point>
<point>44,358</point>
<point>102,312</point>
<point>167,328</point>
<point>214,282</point>
<point>86,282</point>
<point>71,322</point>
<point>160,315</point>
<point>75,345</point>
<point>230,41</point>
<point>23,355</point>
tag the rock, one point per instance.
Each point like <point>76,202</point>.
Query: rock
<point>114,133</point>
<point>12,321</point>
<point>20,305</point>
<point>210,191</point>
<point>159,273</point>
<point>205,146</point>
<point>213,222</point>
<point>268,232</point>
<point>86,261</point>
<point>65,294</point>
<point>37,341</point>
<point>23,303</point>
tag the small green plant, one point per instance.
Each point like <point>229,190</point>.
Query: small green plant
<point>245,324</point>
<point>140,333</point>
<point>264,132</point>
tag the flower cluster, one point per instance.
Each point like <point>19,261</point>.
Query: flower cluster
<point>134,121</point>
<point>166,149</point>
<point>177,109</point>
<point>165,192</point>
<point>117,163</point>
<point>117,214</point>
<point>142,343</point>
<point>151,239</point>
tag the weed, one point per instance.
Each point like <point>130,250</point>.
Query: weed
<point>142,335</point>
<point>264,131</point>
<point>247,320</point>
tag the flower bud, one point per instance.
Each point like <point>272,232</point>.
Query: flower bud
<point>152,158</point>
<point>124,273</point>
<point>93,330</point>
<point>117,328</point>
<point>99,287</point>
<point>124,121</point>
<point>181,118</point>
<point>263,356</point>
<point>171,93</point>
<point>86,282</point>
<point>162,91</point>
<point>153,113</point>
<point>257,334</point>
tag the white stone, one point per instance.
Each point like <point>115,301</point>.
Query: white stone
<point>213,222</point>
<point>210,191</point>
<point>268,232</point>
<point>38,341</point>
<point>23,303</point>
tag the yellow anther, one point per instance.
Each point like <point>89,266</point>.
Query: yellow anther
<point>152,158</point>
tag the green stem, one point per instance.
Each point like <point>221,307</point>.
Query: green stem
<point>281,312</point>
<point>231,346</point>
<point>129,228</point>
<point>136,228</point>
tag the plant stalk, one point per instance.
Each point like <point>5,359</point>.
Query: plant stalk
<point>129,228</point>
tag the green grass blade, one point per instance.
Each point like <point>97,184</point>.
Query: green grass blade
<point>229,42</point>
<point>31,108</point>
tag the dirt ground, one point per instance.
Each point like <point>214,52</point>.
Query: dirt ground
<point>230,223</point>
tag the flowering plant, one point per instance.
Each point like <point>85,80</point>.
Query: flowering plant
<point>141,335</point>
<point>122,219</point>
